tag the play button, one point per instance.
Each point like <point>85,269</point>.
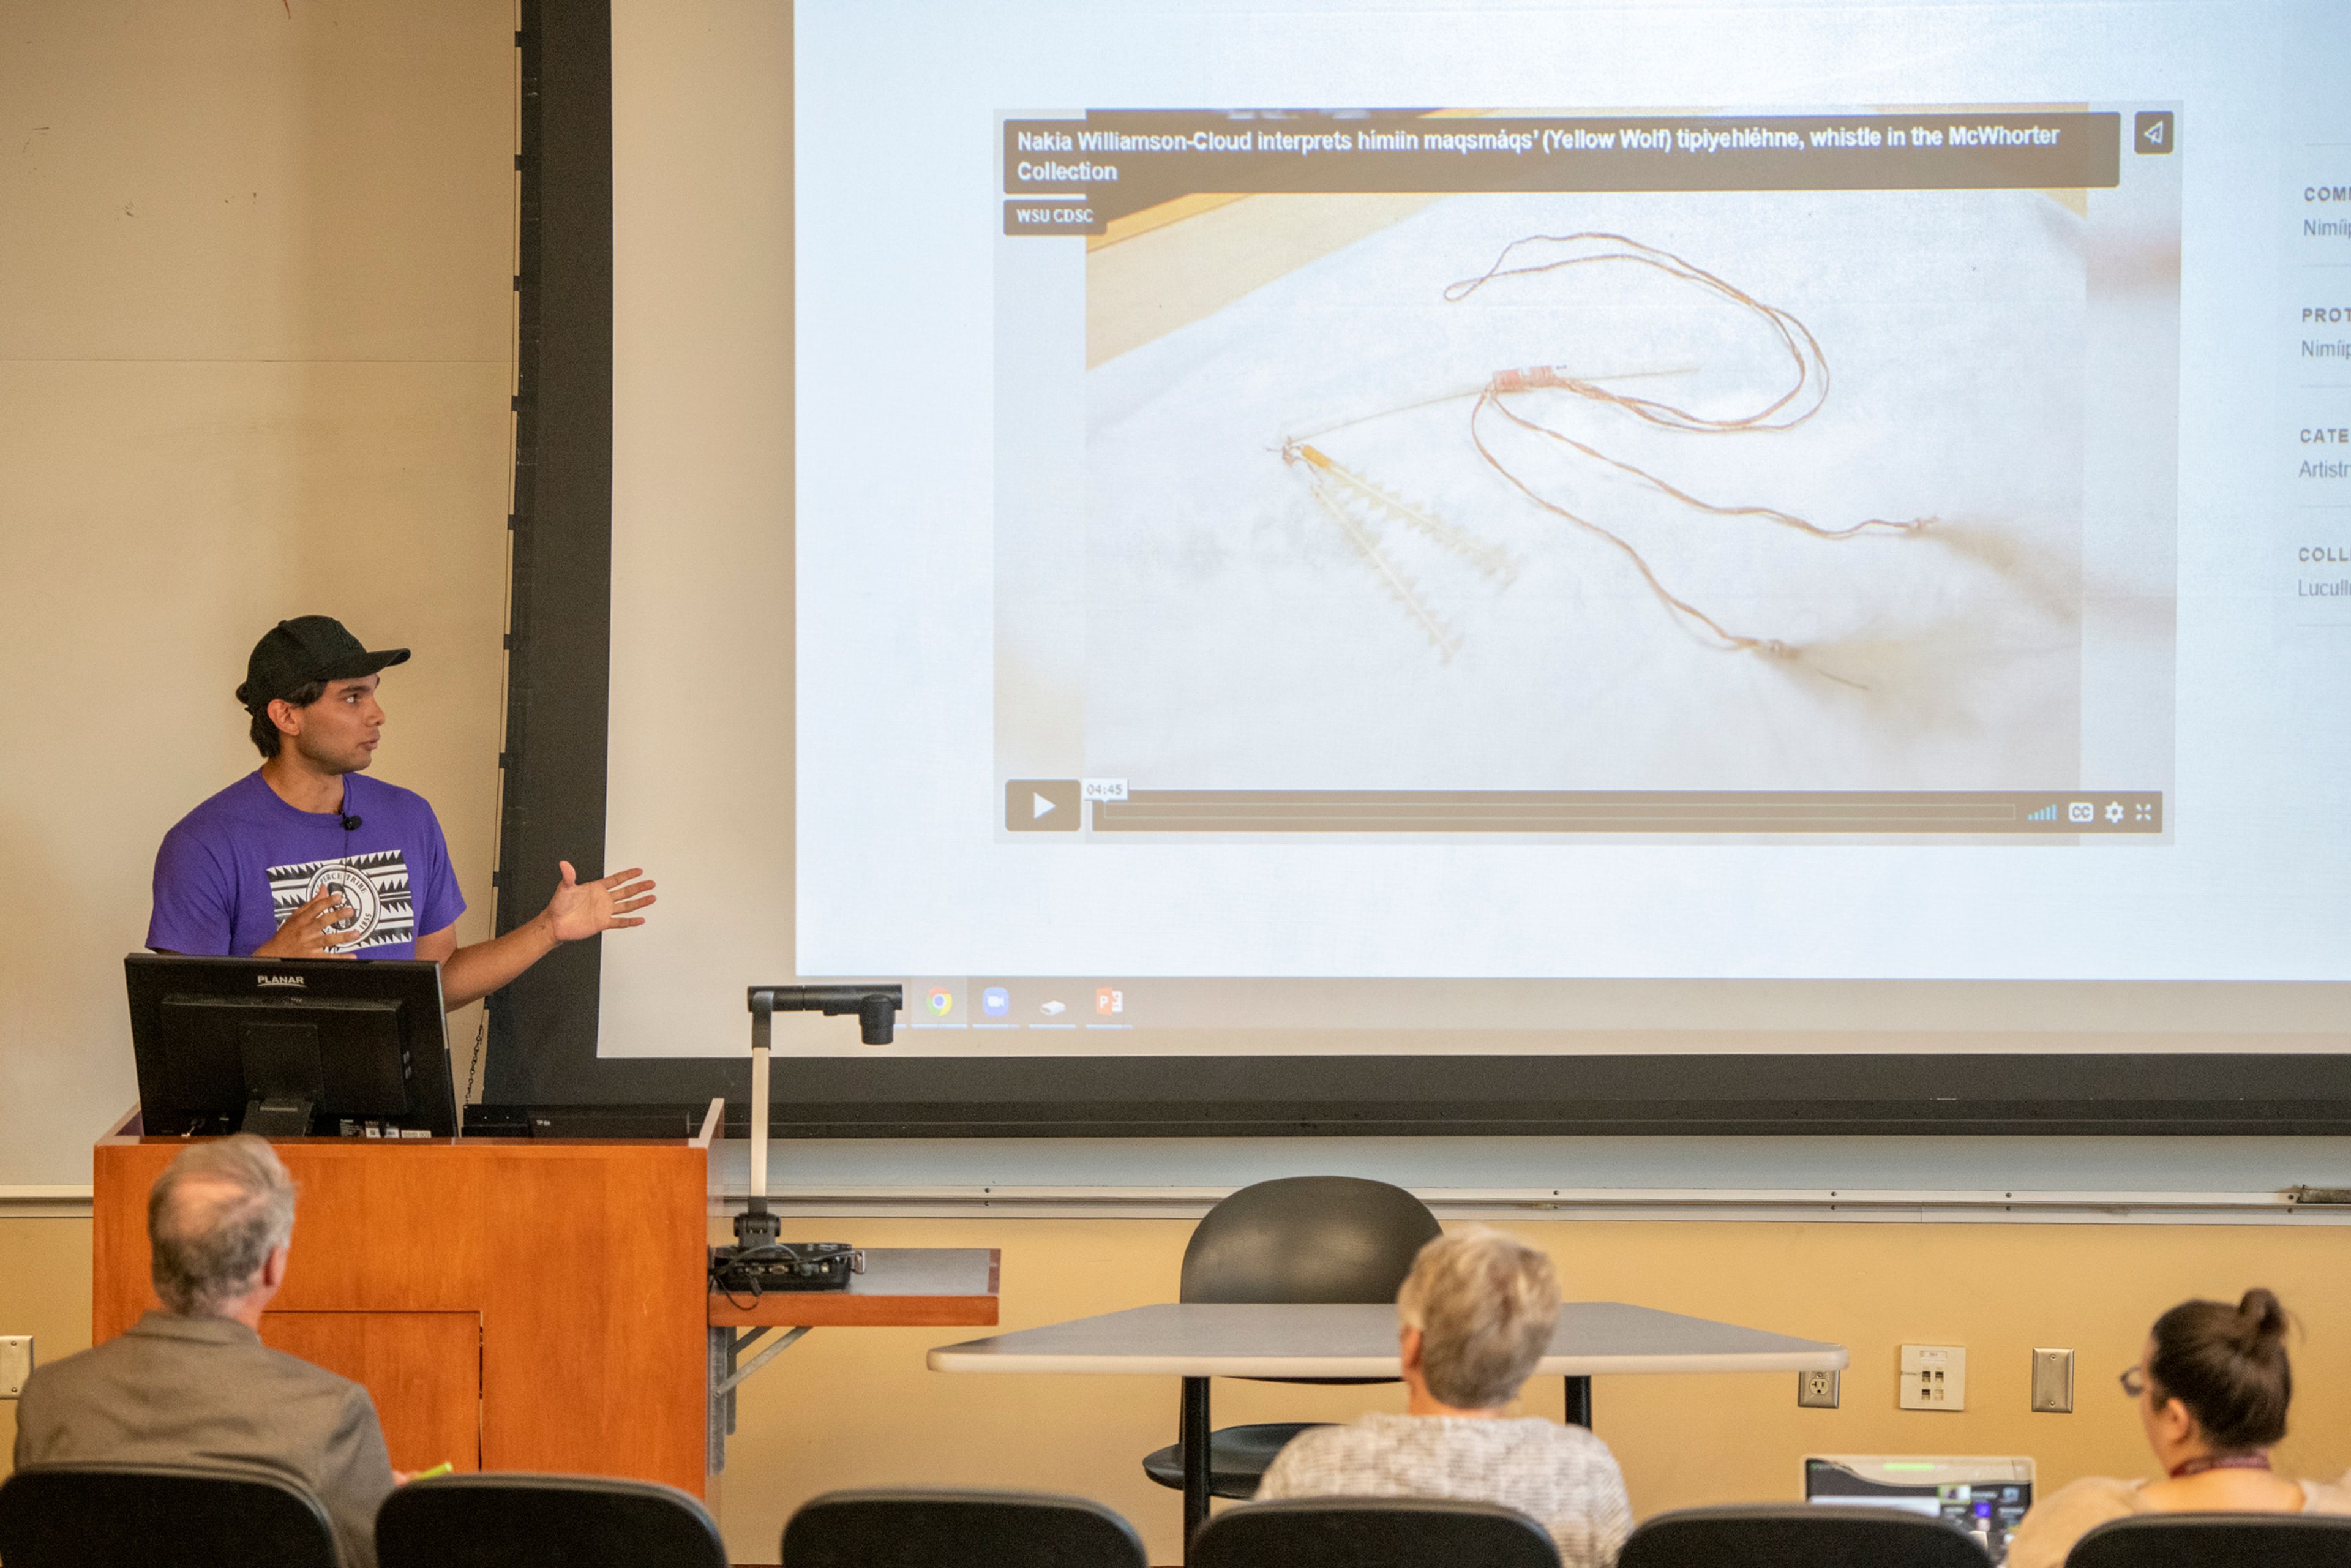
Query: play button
<point>1042,806</point>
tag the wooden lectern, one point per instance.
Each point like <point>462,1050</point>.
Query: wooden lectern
<point>511,1304</point>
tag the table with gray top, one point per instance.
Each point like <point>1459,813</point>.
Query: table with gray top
<point>1197,1340</point>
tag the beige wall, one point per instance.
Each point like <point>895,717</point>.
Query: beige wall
<point>45,1292</point>
<point>255,347</point>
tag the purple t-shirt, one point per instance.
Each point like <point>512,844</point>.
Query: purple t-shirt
<point>236,866</point>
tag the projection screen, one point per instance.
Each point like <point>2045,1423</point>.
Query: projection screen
<point>1285,530</point>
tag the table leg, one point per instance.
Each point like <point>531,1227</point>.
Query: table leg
<point>721,1406</point>
<point>1193,1433</point>
<point>1579,1402</point>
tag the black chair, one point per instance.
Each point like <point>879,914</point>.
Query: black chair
<point>1372,1532</point>
<point>158,1516</point>
<point>1301,1239</point>
<point>2216,1540</point>
<point>517,1521</point>
<point>1799,1535</point>
<point>892,1528</point>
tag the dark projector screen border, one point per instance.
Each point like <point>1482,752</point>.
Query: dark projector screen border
<point>542,1028</point>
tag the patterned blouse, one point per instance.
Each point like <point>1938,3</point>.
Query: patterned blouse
<point>2072,1511</point>
<point>1562,1477</point>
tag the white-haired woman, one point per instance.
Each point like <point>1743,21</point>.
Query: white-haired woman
<point>1475,1314</point>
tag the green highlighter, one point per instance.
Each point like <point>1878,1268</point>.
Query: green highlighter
<point>442,1469</point>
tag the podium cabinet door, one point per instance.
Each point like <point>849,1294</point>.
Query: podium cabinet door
<point>423,1369</point>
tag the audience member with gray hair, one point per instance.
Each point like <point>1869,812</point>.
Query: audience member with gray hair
<point>194,1384</point>
<point>1474,1317</point>
<point>215,1217</point>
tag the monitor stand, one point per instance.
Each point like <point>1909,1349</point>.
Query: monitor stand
<point>279,1116</point>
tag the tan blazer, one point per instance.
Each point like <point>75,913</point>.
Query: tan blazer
<point>206,1391</point>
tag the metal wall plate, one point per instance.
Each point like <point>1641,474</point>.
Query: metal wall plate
<point>1817,1390</point>
<point>2053,1381</point>
<point>15,1363</point>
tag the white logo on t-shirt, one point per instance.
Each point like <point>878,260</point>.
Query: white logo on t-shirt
<point>375,886</point>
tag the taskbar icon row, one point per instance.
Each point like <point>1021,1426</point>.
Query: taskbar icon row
<point>952,1003</point>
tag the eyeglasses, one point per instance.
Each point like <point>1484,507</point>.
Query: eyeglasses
<point>2134,1381</point>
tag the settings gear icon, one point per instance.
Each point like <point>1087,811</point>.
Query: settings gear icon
<point>2114,810</point>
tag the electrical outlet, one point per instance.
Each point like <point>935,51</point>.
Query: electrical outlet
<point>1816,1390</point>
<point>1934,1377</point>
<point>2053,1381</point>
<point>15,1363</point>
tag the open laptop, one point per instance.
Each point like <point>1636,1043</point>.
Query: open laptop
<point>1984,1495</point>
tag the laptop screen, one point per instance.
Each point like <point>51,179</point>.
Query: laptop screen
<point>1985,1496</point>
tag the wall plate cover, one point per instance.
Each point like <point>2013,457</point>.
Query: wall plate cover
<point>15,1363</point>
<point>1934,1377</point>
<point>2053,1381</point>
<point>1816,1390</point>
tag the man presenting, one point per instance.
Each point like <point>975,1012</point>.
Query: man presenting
<point>194,1384</point>
<point>305,857</point>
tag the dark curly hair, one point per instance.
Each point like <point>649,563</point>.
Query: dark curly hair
<point>265,738</point>
<point>2228,1366</point>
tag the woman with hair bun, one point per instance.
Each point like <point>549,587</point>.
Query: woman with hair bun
<point>2213,1389</point>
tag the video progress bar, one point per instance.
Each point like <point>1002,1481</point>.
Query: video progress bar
<point>1585,811</point>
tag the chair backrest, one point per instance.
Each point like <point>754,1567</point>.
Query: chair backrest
<point>920,1529</point>
<point>1799,1535</point>
<point>1307,1238</point>
<point>2217,1540</point>
<point>158,1516</point>
<point>1372,1532</point>
<point>517,1521</point>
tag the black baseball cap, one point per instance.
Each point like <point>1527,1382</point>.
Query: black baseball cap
<point>307,648</point>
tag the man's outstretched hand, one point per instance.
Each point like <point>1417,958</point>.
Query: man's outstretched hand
<point>581,909</point>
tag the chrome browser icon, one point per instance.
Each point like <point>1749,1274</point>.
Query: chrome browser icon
<point>942,1001</point>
